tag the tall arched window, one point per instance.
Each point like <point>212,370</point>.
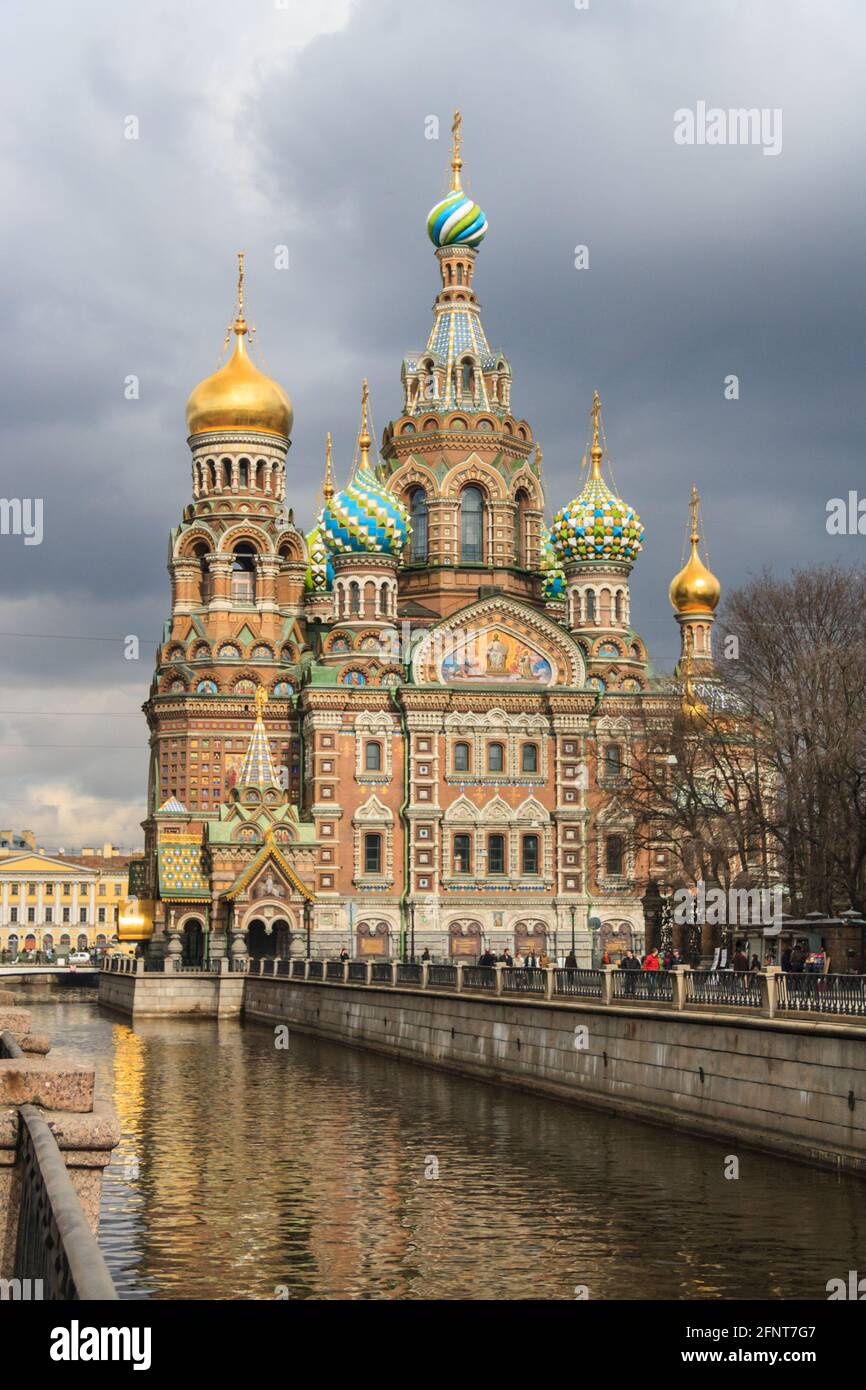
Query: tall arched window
<point>244,573</point>
<point>201,553</point>
<point>354,597</point>
<point>590,605</point>
<point>466,377</point>
<point>418,516</point>
<point>472,526</point>
<point>520,502</point>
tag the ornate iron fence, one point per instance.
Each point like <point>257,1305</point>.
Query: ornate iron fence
<point>479,977</point>
<point>316,970</point>
<point>334,970</point>
<point>738,987</point>
<point>358,970</point>
<point>578,984</point>
<point>382,971</point>
<point>644,986</point>
<point>519,980</point>
<point>822,994</point>
<point>443,976</point>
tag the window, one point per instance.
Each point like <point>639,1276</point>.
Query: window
<point>372,854</point>
<point>373,757</point>
<point>472,526</point>
<point>461,757</point>
<point>521,501</point>
<point>462,853</point>
<point>49,914</point>
<point>82,914</point>
<point>496,854</point>
<point>31,914</point>
<point>67,915</point>
<point>244,574</point>
<point>101,890</point>
<point>590,605</point>
<point>613,760</point>
<point>495,757</point>
<point>354,597</point>
<point>613,854</point>
<point>13,914</point>
<point>49,889</point>
<point>529,859</point>
<point>418,516</point>
<point>100,916</point>
<point>67,889</point>
<point>529,757</point>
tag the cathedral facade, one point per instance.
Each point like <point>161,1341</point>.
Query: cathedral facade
<point>410,726</point>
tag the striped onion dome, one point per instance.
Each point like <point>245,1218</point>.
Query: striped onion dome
<point>319,577</point>
<point>456,221</point>
<point>363,517</point>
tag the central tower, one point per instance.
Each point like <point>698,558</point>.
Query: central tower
<point>465,468</point>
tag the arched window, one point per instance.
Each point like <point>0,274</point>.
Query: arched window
<point>618,606</point>
<point>529,757</point>
<point>201,552</point>
<point>614,854</point>
<point>244,474</point>
<point>418,515</point>
<point>354,597</point>
<point>372,854</point>
<point>461,757</point>
<point>466,377</point>
<point>496,854</point>
<point>373,757</point>
<point>613,760</point>
<point>462,854</point>
<point>590,605</point>
<point>472,526</point>
<point>520,528</point>
<point>244,573</point>
<point>495,757</point>
<point>529,854</point>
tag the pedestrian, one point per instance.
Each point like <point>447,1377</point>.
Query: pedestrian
<point>344,954</point>
<point>741,961</point>
<point>519,961</point>
<point>543,961</point>
<point>506,958</point>
<point>755,965</point>
<point>571,961</point>
<point>786,960</point>
<point>531,962</point>
<point>425,955</point>
<point>630,964</point>
<point>605,960</point>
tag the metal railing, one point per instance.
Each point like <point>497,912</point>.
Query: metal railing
<point>481,977</point>
<point>381,971</point>
<point>579,984</point>
<point>643,986</point>
<point>822,994</point>
<point>724,987</point>
<point>358,970</point>
<point>520,980</point>
<point>333,969</point>
<point>409,974</point>
<point>442,976</point>
<point>315,970</point>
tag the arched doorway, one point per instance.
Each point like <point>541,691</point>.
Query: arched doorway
<point>260,941</point>
<point>282,939</point>
<point>193,942</point>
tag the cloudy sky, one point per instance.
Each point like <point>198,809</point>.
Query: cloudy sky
<point>264,124</point>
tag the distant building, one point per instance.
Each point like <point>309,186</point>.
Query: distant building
<point>60,902</point>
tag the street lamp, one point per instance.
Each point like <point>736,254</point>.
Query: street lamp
<point>307,916</point>
<point>412,932</point>
<point>573,942</point>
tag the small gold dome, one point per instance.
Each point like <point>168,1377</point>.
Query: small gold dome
<point>695,589</point>
<point>239,397</point>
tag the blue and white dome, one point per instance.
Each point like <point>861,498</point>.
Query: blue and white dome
<point>456,221</point>
<point>364,517</point>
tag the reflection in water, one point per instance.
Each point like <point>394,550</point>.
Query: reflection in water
<point>243,1169</point>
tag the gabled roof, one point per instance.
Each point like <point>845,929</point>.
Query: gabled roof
<point>268,851</point>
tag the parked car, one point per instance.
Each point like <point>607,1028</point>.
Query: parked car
<point>79,958</point>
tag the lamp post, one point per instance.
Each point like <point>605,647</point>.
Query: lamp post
<point>412,932</point>
<point>573,942</point>
<point>307,915</point>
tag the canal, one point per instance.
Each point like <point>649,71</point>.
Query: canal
<point>247,1172</point>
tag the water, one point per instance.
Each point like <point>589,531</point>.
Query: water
<point>247,1173</point>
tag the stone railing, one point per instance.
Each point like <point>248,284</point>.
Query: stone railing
<point>764,993</point>
<point>55,1142</point>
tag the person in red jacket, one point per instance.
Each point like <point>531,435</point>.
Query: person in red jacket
<point>652,964</point>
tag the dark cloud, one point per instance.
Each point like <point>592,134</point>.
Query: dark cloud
<point>306,127</point>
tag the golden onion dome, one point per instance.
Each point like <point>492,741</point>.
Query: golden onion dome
<point>695,589</point>
<point>239,396</point>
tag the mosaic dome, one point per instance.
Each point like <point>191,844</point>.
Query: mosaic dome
<point>364,516</point>
<point>320,575</point>
<point>597,525</point>
<point>456,221</point>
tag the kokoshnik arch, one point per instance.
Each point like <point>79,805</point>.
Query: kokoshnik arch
<point>304,779</point>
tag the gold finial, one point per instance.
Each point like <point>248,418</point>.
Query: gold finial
<point>694,503</point>
<point>328,485</point>
<point>456,161</point>
<point>364,440</point>
<point>595,452</point>
<point>261,701</point>
<point>240,324</point>
<point>269,836</point>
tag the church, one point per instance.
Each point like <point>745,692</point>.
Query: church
<point>411,725</point>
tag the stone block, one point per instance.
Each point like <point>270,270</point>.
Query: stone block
<point>40,1081</point>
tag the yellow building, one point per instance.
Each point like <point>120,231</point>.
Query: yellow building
<point>60,902</point>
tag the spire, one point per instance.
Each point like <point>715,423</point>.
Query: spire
<point>456,161</point>
<point>695,589</point>
<point>328,485</point>
<point>258,767</point>
<point>595,452</point>
<point>364,440</point>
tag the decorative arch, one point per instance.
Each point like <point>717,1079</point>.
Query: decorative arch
<point>198,534</point>
<point>242,533</point>
<point>474,470</point>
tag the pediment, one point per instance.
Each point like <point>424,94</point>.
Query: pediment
<point>499,642</point>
